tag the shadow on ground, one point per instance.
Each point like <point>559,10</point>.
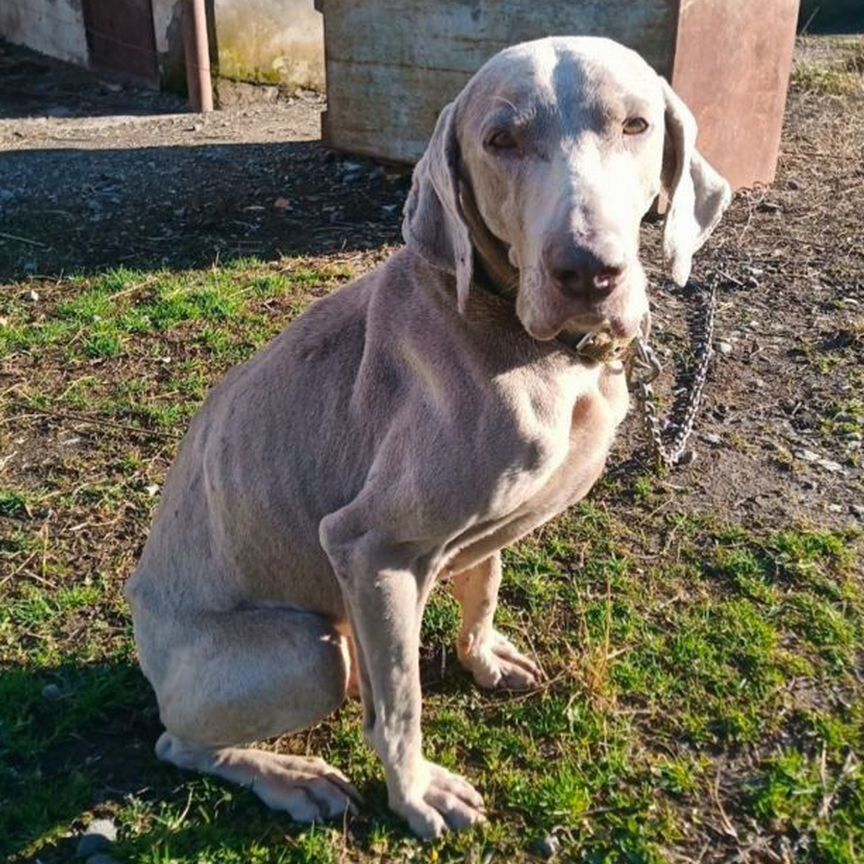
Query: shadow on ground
<point>73,737</point>
<point>33,85</point>
<point>76,743</point>
<point>99,175</point>
<point>71,210</point>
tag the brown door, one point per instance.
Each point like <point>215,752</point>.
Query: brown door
<point>121,39</point>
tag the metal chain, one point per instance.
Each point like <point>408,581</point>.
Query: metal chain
<point>644,369</point>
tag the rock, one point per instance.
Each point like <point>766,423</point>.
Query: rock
<point>152,490</point>
<point>857,509</point>
<point>549,846</point>
<point>835,508</point>
<point>100,834</point>
<point>51,692</point>
<point>30,296</point>
<point>724,347</point>
<point>710,438</point>
<point>828,464</point>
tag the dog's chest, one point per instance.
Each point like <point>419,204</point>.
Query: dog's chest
<point>574,454</point>
<point>581,454</point>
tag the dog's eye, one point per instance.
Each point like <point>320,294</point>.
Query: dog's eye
<point>502,140</point>
<point>635,125</point>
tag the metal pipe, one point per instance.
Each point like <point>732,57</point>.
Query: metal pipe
<point>197,50</point>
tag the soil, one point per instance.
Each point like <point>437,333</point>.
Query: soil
<point>95,177</point>
<point>98,175</point>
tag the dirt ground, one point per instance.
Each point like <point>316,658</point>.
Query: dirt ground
<point>93,177</point>
<point>98,184</point>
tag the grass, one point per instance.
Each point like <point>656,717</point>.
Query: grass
<point>704,676</point>
<point>840,74</point>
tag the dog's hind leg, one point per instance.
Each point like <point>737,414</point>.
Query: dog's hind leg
<point>227,679</point>
<point>491,657</point>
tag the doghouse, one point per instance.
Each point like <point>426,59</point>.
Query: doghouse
<point>393,64</point>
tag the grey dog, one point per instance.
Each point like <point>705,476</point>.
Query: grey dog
<point>409,426</point>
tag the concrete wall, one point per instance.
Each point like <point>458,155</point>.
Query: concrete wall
<point>270,42</point>
<point>54,27</point>
<point>261,41</point>
<point>277,42</point>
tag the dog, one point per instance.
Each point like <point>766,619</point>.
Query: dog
<point>412,424</point>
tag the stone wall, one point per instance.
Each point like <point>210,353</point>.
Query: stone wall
<point>168,30</point>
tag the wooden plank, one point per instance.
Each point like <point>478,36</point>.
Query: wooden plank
<point>732,66</point>
<point>121,38</point>
<point>393,64</point>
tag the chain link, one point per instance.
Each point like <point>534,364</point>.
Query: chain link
<point>644,369</point>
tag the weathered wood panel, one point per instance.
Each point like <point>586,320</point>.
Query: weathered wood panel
<point>732,65</point>
<point>121,38</point>
<point>393,64</point>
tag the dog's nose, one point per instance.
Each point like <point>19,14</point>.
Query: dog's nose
<point>585,271</point>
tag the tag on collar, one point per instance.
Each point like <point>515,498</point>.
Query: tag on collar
<point>600,346</point>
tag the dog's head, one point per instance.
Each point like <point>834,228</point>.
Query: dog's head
<point>544,166</point>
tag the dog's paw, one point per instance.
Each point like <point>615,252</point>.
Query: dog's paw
<point>448,802</point>
<point>306,788</point>
<point>497,663</point>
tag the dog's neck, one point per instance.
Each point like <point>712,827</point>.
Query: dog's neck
<point>493,271</point>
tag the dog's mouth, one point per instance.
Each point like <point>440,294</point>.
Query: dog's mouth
<point>547,313</point>
<point>620,325</point>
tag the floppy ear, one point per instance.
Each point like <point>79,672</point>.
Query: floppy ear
<point>697,194</point>
<point>433,221</point>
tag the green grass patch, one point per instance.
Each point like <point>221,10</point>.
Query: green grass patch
<point>679,649</point>
<point>841,74</point>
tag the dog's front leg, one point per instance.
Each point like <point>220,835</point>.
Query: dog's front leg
<point>386,585</point>
<point>491,657</point>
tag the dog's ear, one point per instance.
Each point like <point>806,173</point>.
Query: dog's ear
<point>433,220</point>
<point>697,194</point>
